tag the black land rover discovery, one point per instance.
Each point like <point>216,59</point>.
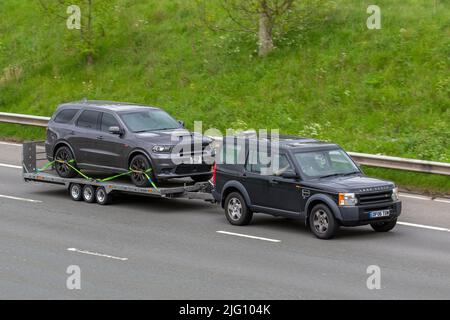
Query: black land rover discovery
<point>312,180</point>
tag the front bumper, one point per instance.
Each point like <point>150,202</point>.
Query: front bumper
<point>359,215</point>
<point>165,168</point>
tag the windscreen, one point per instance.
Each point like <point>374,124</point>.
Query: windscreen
<point>325,163</point>
<point>149,120</point>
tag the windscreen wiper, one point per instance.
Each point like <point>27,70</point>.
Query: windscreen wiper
<point>350,173</point>
<point>141,131</point>
<point>331,175</point>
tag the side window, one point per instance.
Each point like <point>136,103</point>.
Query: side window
<point>108,120</point>
<point>65,116</point>
<point>232,154</point>
<point>258,162</point>
<point>88,119</point>
<point>280,165</point>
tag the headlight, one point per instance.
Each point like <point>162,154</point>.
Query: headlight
<point>347,199</point>
<point>395,194</point>
<point>161,149</point>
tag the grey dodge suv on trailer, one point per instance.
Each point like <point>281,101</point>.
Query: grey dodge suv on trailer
<point>313,180</point>
<point>119,137</point>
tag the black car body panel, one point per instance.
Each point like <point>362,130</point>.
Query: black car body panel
<point>95,148</point>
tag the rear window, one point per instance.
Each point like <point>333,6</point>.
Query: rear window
<point>232,153</point>
<point>88,119</point>
<point>65,116</point>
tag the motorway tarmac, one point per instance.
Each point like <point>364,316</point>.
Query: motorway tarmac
<point>149,248</point>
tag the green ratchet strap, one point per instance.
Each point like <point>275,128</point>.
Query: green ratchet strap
<point>145,173</point>
<point>48,165</point>
<point>75,169</point>
<point>114,177</point>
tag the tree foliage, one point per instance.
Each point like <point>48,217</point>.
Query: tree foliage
<point>93,24</point>
<point>260,17</point>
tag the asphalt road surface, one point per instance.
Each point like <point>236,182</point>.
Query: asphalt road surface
<point>146,248</point>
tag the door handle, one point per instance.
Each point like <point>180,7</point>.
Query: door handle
<point>100,137</point>
<point>274,182</point>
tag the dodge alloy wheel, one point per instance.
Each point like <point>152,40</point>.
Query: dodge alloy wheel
<point>62,156</point>
<point>140,164</point>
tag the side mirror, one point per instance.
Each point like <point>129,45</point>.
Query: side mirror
<point>181,122</point>
<point>289,175</point>
<point>115,130</point>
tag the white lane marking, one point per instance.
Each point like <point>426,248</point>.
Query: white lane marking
<point>247,236</point>
<point>10,166</point>
<point>10,144</point>
<point>20,199</point>
<point>96,254</point>
<point>423,226</point>
<point>415,197</point>
<point>442,200</point>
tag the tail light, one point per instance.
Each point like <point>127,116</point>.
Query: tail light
<point>214,177</point>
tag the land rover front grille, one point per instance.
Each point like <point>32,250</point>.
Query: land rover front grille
<point>372,198</point>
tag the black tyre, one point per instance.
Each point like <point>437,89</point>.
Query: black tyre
<point>76,191</point>
<point>384,226</point>
<point>102,197</point>
<point>236,210</point>
<point>322,222</point>
<point>140,164</point>
<point>89,194</point>
<point>202,177</point>
<point>63,169</point>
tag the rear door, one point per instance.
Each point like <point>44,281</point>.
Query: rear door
<point>256,181</point>
<point>84,137</point>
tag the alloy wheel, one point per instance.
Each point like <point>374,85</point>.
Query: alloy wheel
<point>320,221</point>
<point>235,209</point>
<point>63,155</point>
<point>139,165</point>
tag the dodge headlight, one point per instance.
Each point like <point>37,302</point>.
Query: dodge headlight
<point>161,149</point>
<point>395,194</point>
<point>347,199</point>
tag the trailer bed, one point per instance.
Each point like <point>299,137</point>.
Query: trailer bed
<point>34,158</point>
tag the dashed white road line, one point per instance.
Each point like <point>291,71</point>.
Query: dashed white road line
<point>10,166</point>
<point>423,226</point>
<point>247,236</point>
<point>442,200</point>
<point>96,254</point>
<point>415,197</point>
<point>10,144</point>
<point>19,199</point>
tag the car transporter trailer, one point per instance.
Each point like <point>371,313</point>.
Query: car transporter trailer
<point>91,190</point>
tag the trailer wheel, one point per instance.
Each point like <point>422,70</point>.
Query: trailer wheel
<point>102,197</point>
<point>76,191</point>
<point>88,194</point>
